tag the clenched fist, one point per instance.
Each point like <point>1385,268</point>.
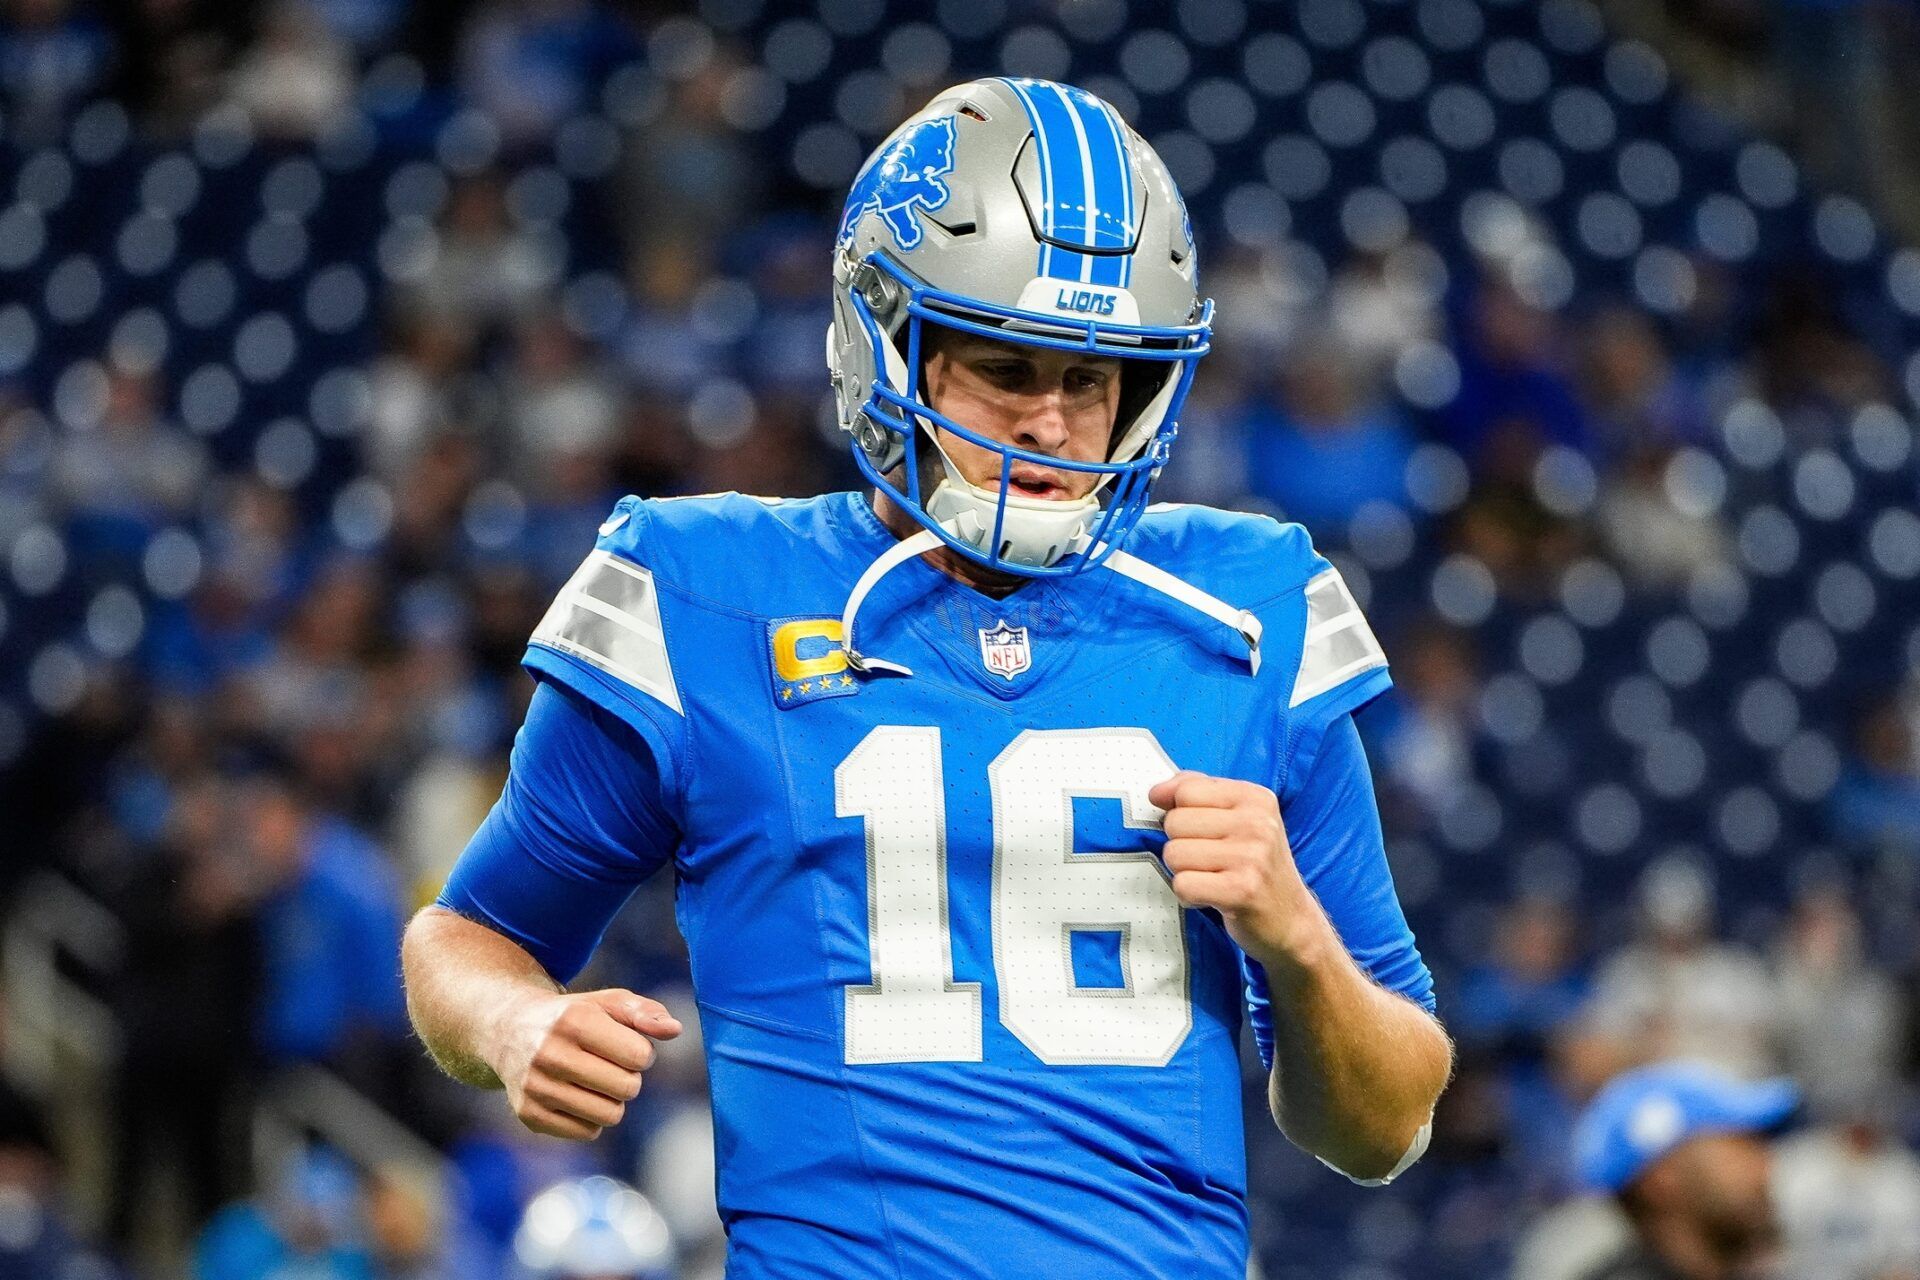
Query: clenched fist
<point>1227,849</point>
<point>571,1063</point>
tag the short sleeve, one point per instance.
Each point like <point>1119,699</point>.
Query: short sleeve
<point>1333,827</point>
<point>605,638</point>
<point>1342,668</point>
<point>581,822</point>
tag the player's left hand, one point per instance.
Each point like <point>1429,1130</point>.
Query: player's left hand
<point>1227,849</point>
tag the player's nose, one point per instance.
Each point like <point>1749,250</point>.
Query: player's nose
<point>1044,428</point>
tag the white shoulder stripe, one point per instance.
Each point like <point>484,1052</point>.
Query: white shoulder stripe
<point>608,615</point>
<point>1339,643</point>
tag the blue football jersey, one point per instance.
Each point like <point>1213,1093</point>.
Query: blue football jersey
<point>956,1021</point>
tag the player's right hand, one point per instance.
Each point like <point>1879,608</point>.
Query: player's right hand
<point>571,1063</point>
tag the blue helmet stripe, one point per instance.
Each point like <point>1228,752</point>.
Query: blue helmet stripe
<point>1117,131</point>
<point>1064,158</point>
<point>1099,194</point>
<point>1086,183</point>
<point>1045,266</point>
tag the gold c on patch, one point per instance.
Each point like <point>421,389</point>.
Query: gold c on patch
<point>809,662</point>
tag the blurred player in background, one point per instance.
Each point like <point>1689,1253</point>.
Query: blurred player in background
<point>975,895</point>
<point>593,1229</point>
<point>1685,1152</point>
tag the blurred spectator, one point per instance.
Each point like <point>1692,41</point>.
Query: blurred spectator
<point>179,53</point>
<point>1514,379</point>
<point>1573,1240</point>
<point>456,760</point>
<point>1877,804</point>
<point>1849,1204</point>
<point>557,401</point>
<point>1640,403</point>
<point>1659,525</point>
<point>1381,304</point>
<point>223,627</point>
<point>1322,450</point>
<point>296,81</point>
<point>791,289</point>
<point>1264,299</point>
<point>662,346</point>
<point>482,270</point>
<point>411,1230</point>
<point>1841,1025</point>
<point>1511,1008</point>
<point>307,1224</point>
<point>1806,362</point>
<point>316,669</point>
<point>185,999</point>
<point>688,175</point>
<point>531,64</point>
<point>52,56</point>
<point>422,384</point>
<point>1674,992</point>
<point>594,1229</point>
<point>131,471</point>
<point>1508,522</point>
<point>1684,1150</point>
<point>1424,738</point>
<point>38,1241</point>
<point>330,929</point>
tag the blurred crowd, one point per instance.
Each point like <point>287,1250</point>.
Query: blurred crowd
<point>298,721</point>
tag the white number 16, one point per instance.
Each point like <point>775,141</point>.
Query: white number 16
<point>1043,893</point>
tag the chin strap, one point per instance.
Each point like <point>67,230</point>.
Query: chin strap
<point>1150,576</point>
<point>890,559</point>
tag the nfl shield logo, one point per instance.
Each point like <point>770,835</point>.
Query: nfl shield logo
<point>1005,650</point>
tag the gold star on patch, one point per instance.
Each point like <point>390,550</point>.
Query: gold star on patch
<point>806,686</point>
<point>786,692</point>
<point>846,682</point>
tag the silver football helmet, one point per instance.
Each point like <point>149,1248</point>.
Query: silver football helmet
<point>1029,212</point>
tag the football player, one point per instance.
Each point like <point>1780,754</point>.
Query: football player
<point>995,797</point>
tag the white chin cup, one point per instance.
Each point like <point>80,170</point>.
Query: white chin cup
<point>1036,531</point>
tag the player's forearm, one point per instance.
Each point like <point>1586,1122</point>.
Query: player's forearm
<point>461,979</point>
<point>1356,1069</point>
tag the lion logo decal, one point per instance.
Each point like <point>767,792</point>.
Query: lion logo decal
<point>910,174</point>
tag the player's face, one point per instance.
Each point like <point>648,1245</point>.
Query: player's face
<point>1059,403</point>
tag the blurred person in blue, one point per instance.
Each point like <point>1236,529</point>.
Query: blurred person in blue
<point>531,64</point>
<point>1321,449</point>
<point>997,800</point>
<point>593,1228</point>
<point>330,920</point>
<point>1876,806</point>
<point>1513,370</point>
<point>1511,1009</point>
<point>125,471</point>
<point>1684,1150</point>
<point>307,1225</point>
<point>1425,739</point>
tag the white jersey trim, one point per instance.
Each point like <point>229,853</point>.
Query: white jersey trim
<point>608,615</point>
<point>1339,643</point>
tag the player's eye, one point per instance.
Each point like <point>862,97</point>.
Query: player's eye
<point>1004,372</point>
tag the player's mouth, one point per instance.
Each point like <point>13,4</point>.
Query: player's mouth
<point>1033,482</point>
